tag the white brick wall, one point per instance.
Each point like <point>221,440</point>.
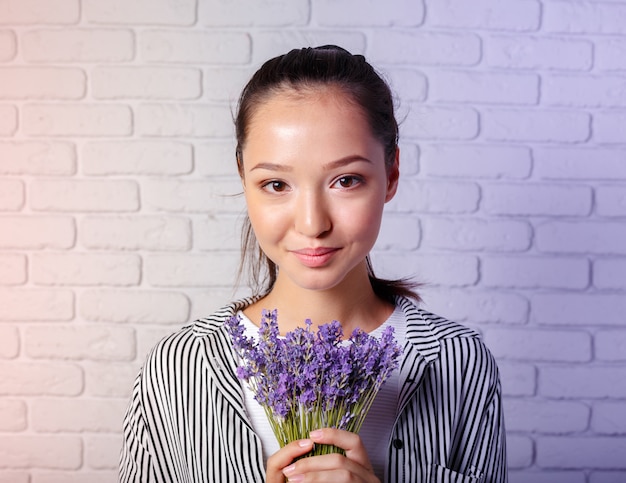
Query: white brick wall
<point>118,222</point>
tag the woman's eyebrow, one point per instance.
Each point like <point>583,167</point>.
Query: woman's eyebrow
<point>272,167</point>
<point>353,158</point>
<point>338,163</point>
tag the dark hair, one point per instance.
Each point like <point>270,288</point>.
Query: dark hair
<point>314,68</point>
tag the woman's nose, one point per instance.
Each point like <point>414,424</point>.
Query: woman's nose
<point>312,217</point>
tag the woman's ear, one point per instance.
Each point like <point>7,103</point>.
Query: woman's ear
<point>393,175</point>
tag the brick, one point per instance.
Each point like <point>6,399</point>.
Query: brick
<point>261,13</point>
<point>435,197</point>
<point>40,378</point>
<point>36,232</point>
<point>540,125</point>
<point>547,476</point>
<point>610,345</point>
<point>565,382</point>
<point>14,477</point>
<point>535,272</point>
<point>410,158</point>
<point>484,14</point>
<point>137,158</point>
<point>608,417</point>
<point>461,234</point>
<point>545,417</point>
<point>217,233</point>
<point>215,158</point>
<point>581,237</point>
<point>85,269</point>
<point>610,54</point>
<point>9,343</point>
<point>8,120</point>
<point>184,120</point>
<point>80,342</point>
<point>42,83</point>
<point>583,91</point>
<point>394,13</point>
<point>609,273</point>
<point>433,269</point>
<point>518,379</point>
<point>8,45</point>
<point>111,379</point>
<point>537,344</point>
<point>579,163</point>
<point>609,127</point>
<point>41,451</point>
<point>14,12</point>
<point>176,83</point>
<point>270,43</point>
<point>514,52</point>
<point>12,269</point>
<point>140,12</point>
<point>75,476</point>
<point>465,305</point>
<point>199,47</point>
<point>37,158</point>
<point>78,45</point>
<point>77,415</point>
<point>84,195</point>
<point>102,451</point>
<point>11,194</point>
<point>224,84</point>
<point>584,17</point>
<point>426,122</point>
<point>36,304</point>
<point>475,161</point>
<point>182,270</point>
<point>189,196</point>
<point>407,84</point>
<point>421,48</point>
<point>581,452</point>
<point>76,120</point>
<point>483,87</point>
<point>397,232</point>
<point>519,451</point>
<point>152,307</point>
<point>135,233</point>
<point>607,476</point>
<point>536,199</point>
<point>579,309</point>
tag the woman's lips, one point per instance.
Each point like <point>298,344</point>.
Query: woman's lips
<point>315,257</point>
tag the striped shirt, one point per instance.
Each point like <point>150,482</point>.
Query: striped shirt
<point>187,422</point>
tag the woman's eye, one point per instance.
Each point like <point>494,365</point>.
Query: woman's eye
<point>348,181</point>
<point>275,186</point>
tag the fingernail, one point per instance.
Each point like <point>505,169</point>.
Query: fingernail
<point>316,433</point>
<point>289,469</point>
<point>303,443</point>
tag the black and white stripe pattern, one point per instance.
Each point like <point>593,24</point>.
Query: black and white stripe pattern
<point>186,421</point>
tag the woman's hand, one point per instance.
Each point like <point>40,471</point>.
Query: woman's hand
<point>353,467</point>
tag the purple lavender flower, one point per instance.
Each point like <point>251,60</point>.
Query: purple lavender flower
<point>306,381</point>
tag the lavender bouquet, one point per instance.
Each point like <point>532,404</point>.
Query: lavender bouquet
<point>306,380</point>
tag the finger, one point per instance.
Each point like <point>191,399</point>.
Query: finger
<point>328,468</point>
<point>284,457</point>
<point>350,442</point>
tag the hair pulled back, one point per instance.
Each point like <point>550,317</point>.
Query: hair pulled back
<point>316,68</point>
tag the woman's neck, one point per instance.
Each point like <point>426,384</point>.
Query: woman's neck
<point>353,305</point>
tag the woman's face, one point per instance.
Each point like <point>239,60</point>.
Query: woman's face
<point>315,184</point>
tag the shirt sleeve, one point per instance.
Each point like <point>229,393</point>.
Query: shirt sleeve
<point>136,462</point>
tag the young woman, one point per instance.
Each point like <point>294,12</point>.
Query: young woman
<point>318,158</point>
